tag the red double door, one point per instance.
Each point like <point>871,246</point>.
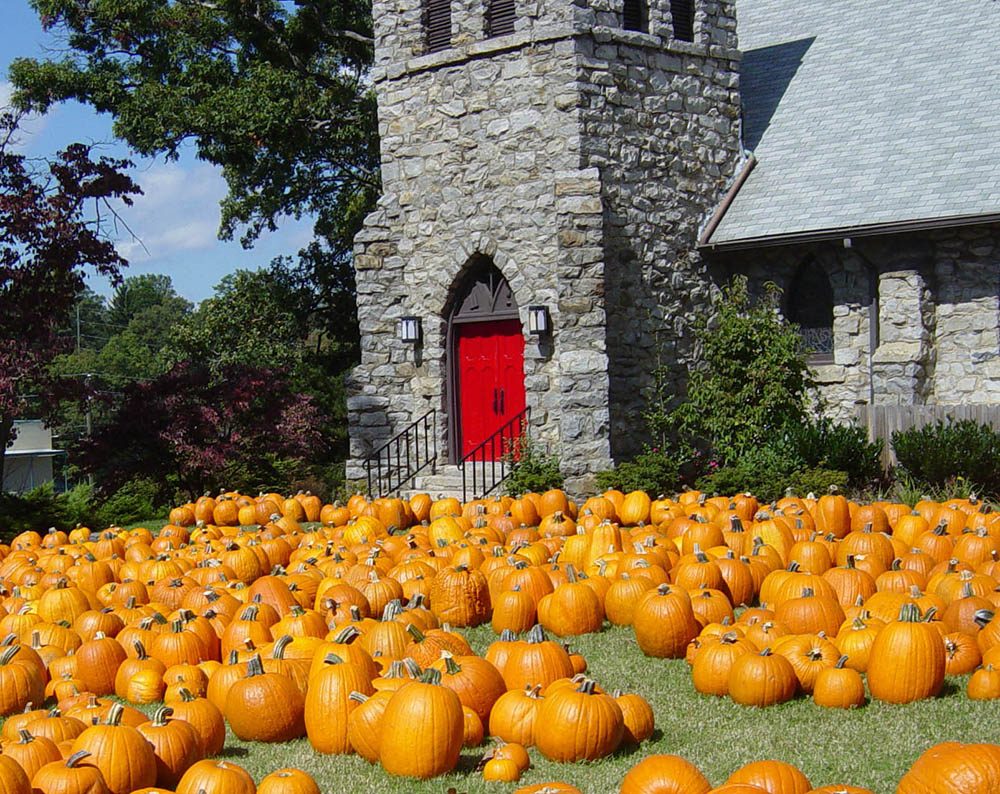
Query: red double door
<point>490,380</point>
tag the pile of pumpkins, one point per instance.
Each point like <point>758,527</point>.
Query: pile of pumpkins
<point>285,617</point>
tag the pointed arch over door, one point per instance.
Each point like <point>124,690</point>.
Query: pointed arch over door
<point>486,357</point>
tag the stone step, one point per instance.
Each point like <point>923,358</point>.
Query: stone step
<point>446,481</point>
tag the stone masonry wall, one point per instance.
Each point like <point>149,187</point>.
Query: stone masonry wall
<point>481,155</point>
<point>661,123</point>
<point>967,315</point>
<point>938,315</point>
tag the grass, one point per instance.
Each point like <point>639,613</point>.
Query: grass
<point>871,747</point>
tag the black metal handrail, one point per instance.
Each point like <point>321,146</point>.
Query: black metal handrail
<point>403,456</point>
<point>500,450</point>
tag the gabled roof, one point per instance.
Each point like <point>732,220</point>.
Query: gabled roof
<point>866,115</point>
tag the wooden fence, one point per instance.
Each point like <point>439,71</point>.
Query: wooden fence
<point>884,420</point>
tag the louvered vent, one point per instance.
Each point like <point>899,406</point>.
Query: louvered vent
<point>500,16</point>
<point>682,14</point>
<point>635,16</point>
<point>437,24</point>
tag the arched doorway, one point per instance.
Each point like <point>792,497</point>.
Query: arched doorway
<point>486,358</point>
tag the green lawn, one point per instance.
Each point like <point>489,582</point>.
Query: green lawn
<point>869,747</point>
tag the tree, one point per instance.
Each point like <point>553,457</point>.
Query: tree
<point>255,318</point>
<point>185,429</point>
<point>54,221</point>
<point>136,294</point>
<point>275,93</point>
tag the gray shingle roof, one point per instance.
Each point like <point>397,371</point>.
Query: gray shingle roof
<point>862,112</point>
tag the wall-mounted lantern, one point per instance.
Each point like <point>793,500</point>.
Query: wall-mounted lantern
<point>409,330</point>
<point>538,320</point>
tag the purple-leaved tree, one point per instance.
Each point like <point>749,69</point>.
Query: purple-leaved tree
<point>190,427</point>
<point>55,222</point>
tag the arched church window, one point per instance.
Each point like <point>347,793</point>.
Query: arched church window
<point>682,17</point>
<point>636,15</point>
<point>810,306</point>
<point>437,24</point>
<point>500,17</point>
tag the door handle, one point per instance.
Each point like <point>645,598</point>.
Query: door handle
<point>494,402</point>
<point>501,402</point>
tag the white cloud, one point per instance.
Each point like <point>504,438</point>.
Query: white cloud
<point>178,211</point>
<point>6,90</point>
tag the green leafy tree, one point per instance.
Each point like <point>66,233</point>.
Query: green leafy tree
<point>275,93</point>
<point>749,381</point>
<point>257,318</point>
<point>138,294</point>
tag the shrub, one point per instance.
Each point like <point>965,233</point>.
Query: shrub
<point>652,471</point>
<point>822,443</point>
<point>764,471</point>
<point>531,469</point>
<point>816,480</point>
<point>937,455</point>
<point>135,500</point>
<point>749,380</point>
<point>41,508</point>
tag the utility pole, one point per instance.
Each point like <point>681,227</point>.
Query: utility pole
<point>78,326</point>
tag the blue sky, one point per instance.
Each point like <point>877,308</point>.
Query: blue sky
<point>178,217</point>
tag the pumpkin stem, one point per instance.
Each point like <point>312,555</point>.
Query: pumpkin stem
<point>536,634</point>
<point>450,665</point>
<point>417,634</point>
<point>280,645</point>
<point>25,735</point>
<point>332,658</point>
<point>255,666</point>
<point>160,716</point>
<point>841,662</point>
<point>346,635</point>
<point>115,714</point>
<point>358,697</point>
<point>76,758</point>
<point>431,676</point>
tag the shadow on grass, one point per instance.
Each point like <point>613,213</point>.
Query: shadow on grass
<point>233,752</point>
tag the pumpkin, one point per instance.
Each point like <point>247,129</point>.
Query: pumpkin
<point>328,704</point>
<point>536,660</point>
<point>638,717</point>
<point>422,729</point>
<point>664,622</point>
<point>512,751</point>
<point>120,752</point>
<point>907,660</point>
<point>216,776</point>
<point>62,777</point>
<point>710,670</point>
<point>288,781</point>
<point>460,597</point>
<point>984,684</point>
<point>762,679</point>
<point>839,687</point>
<point>502,770</point>
<point>580,724</point>
<point>21,683</point>
<point>514,715</point>
<point>97,664</point>
<point>364,723</point>
<point>664,774</point>
<point>477,683</point>
<point>176,746</point>
<point>265,707</point>
<point>775,777</point>
<point>32,752</point>
<point>206,719</point>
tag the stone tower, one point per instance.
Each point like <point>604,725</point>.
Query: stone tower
<point>567,163</point>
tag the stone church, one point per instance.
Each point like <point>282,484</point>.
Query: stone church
<point>567,181</point>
